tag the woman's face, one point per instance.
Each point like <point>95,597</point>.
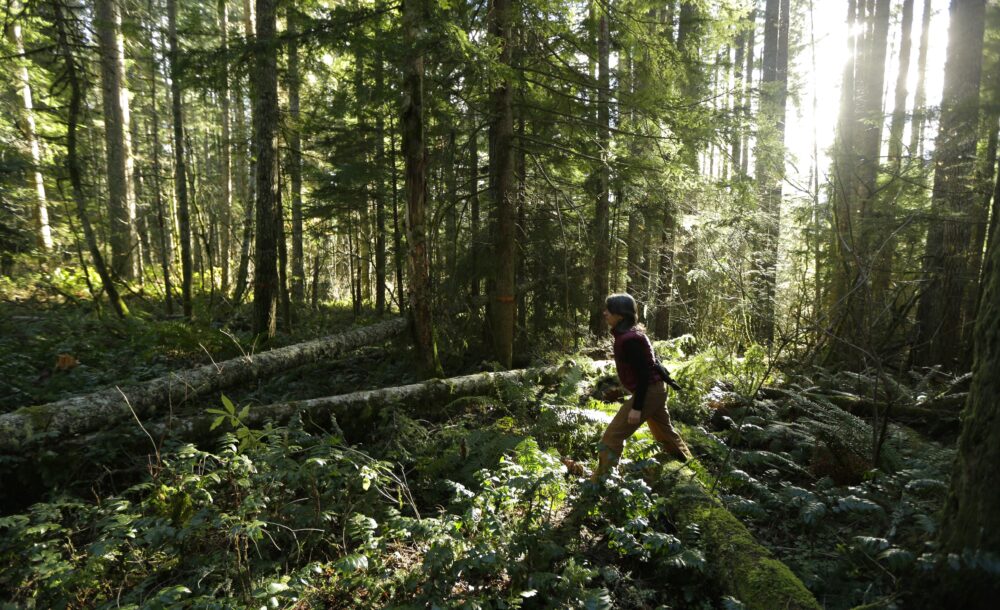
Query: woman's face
<point>612,319</point>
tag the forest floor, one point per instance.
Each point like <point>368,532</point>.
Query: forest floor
<point>484,503</point>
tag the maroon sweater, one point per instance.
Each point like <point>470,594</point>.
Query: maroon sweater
<point>636,363</point>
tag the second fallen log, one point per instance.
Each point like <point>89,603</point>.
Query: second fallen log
<point>91,412</point>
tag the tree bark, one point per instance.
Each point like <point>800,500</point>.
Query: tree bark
<point>502,306</point>
<point>265,145</point>
<point>43,233</point>
<point>415,155</point>
<point>121,197</point>
<point>940,313</point>
<point>180,164</point>
<point>970,515</point>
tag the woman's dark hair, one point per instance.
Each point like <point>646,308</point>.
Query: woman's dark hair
<point>623,305</point>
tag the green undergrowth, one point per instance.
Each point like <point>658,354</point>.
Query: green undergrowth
<point>484,502</point>
<point>475,510</point>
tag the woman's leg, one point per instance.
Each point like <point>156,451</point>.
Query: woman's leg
<point>613,442</point>
<point>658,418</point>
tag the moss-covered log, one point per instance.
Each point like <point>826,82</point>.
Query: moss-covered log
<point>90,412</point>
<point>747,570</point>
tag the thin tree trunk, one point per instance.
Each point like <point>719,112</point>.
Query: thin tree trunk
<point>920,97</point>
<point>474,237</point>
<point>883,274</point>
<point>247,171</point>
<point>397,235</point>
<point>502,167</point>
<point>73,163</point>
<point>380,287</point>
<point>180,167</point>
<point>747,88</point>
<point>415,155</point>
<point>226,147</point>
<point>162,215</point>
<point>43,233</point>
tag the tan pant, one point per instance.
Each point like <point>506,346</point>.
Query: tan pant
<point>655,414</point>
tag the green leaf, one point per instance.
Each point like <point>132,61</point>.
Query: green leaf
<point>217,422</point>
<point>230,408</point>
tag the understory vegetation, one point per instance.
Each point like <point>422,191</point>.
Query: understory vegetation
<point>484,503</point>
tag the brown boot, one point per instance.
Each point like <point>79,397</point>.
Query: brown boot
<point>606,460</point>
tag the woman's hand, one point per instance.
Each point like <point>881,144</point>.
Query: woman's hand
<point>634,416</point>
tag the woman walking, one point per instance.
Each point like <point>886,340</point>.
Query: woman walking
<point>641,375</point>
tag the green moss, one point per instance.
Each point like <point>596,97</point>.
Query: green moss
<point>745,568</point>
<point>39,417</point>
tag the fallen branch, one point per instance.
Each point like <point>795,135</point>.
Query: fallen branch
<point>90,412</point>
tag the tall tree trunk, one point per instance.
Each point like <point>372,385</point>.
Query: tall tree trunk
<point>226,147</point>
<point>872,118</point>
<point>244,186</point>
<point>970,514</point>
<point>920,96</point>
<point>883,274</point>
<point>600,238</point>
<point>180,166</point>
<point>415,155</point>
<point>769,155</point>
<point>736,135</point>
<point>247,171</point>
<point>380,288</point>
<point>72,161</point>
<point>940,312</point>
<point>981,218</point>
<point>899,107</point>
<point>265,145</point>
<point>162,214</point>
<point>295,156</point>
<point>40,215</point>
<point>121,197</point>
<point>858,314</point>
<point>397,235</point>
<point>474,237</point>
<point>504,196</point>
<point>747,88</point>
<point>450,241</point>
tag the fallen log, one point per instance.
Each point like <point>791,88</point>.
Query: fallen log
<point>90,412</point>
<point>744,568</point>
<point>359,406</point>
<point>947,406</point>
